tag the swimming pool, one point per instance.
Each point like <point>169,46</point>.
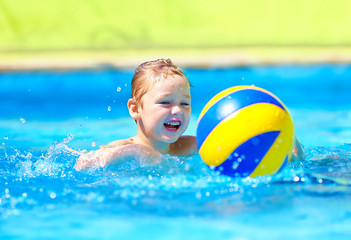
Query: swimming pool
<point>43,114</point>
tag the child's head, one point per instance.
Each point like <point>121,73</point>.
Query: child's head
<point>151,72</point>
<point>161,102</point>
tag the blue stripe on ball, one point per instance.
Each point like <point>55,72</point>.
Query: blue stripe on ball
<point>227,105</point>
<point>245,158</point>
<point>284,163</point>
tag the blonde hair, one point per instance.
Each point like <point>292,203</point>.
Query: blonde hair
<point>149,73</point>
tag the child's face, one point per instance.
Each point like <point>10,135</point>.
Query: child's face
<point>166,109</point>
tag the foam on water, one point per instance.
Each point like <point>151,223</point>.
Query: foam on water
<point>51,175</point>
<point>177,188</point>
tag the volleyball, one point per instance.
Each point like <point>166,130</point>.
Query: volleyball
<point>245,131</point>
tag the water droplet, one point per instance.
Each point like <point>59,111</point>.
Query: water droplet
<point>235,165</point>
<point>52,195</point>
<point>22,120</point>
<point>109,108</point>
<point>6,138</point>
<point>198,195</point>
<point>93,144</point>
<point>118,89</point>
<point>68,138</point>
<point>187,167</point>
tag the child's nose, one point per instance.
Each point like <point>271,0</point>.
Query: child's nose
<point>176,110</point>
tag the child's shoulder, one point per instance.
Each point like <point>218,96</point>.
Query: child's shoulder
<point>185,145</point>
<point>117,143</point>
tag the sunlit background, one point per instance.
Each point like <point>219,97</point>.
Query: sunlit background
<point>36,33</point>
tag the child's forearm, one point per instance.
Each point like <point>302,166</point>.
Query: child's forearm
<point>108,156</point>
<point>99,158</point>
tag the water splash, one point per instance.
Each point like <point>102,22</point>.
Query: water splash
<point>47,179</point>
<point>58,158</point>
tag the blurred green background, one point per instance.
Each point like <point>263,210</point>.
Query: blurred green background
<point>31,26</point>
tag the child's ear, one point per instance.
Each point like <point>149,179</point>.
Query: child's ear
<point>133,109</point>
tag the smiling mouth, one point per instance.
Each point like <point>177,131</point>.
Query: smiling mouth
<point>172,126</point>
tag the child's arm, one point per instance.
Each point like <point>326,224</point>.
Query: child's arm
<point>116,153</point>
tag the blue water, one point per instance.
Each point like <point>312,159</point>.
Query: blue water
<point>46,114</point>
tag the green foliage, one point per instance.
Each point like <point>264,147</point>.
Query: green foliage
<point>120,24</point>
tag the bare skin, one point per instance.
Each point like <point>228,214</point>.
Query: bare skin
<point>119,151</point>
<point>162,116</point>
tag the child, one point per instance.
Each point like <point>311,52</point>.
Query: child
<point>161,108</point>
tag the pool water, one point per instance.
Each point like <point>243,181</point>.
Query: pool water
<point>47,118</point>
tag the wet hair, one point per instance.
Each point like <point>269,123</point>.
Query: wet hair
<point>149,73</point>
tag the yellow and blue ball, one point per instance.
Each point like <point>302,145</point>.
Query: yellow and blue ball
<point>245,131</point>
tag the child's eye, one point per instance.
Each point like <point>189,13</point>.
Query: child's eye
<point>185,104</point>
<point>164,102</point>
